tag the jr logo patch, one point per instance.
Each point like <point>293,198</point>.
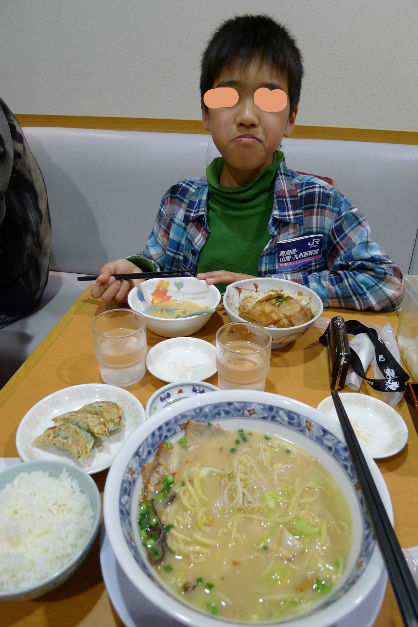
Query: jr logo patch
<point>293,252</point>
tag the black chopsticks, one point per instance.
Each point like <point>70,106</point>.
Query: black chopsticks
<point>400,576</point>
<point>137,275</point>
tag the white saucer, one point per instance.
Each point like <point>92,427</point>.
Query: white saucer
<point>379,428</point>
<point>135,610</point>
<point>182,359</point>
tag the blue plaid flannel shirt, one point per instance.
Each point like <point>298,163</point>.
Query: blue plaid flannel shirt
<point>351,271</point>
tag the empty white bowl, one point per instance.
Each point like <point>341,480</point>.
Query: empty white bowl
<point>181,288</point>
<point>235,292</point>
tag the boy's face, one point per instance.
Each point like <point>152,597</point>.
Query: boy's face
<point>246,135</point>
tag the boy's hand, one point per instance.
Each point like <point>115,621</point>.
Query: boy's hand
<point>223,276</point>
<point>108,288</point>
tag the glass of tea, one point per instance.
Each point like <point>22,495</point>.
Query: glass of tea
<point>243,352</point>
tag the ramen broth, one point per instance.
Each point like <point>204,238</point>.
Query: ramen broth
<point>249,527</point>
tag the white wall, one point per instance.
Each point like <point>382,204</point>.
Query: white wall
<point>140,58</point>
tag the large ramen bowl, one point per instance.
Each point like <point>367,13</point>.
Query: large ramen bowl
<point>235,292</point>
<point>156,291</point>
<point>316,433</point>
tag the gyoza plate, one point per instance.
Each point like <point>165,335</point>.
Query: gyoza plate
<point>378,427</point>
<point>182,359</point>
<point>40,416</point>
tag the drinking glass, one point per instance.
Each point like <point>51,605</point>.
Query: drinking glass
<point>120,346</point>
<point>243,354</point>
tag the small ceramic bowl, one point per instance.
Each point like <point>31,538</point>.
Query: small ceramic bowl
<point>378,427</point>
<point>182,358</point>
<point>235,292</point>
<point>89,488</point>
<point>156,291</point>
<point>173,392</point>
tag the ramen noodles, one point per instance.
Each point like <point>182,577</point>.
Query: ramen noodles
<point>243,525</point>
<point>173,308</point>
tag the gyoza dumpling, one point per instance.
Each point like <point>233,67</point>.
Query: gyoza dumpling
<point>94,423</point>
<point>66,437</point>
<point>107,410</point>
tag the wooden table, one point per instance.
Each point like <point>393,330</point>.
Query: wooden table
<point>66,358</point>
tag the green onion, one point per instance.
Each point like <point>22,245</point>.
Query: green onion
<point>300,527</point>
<point>168,568</point>
<point>169,445</point>
<point>212,607</point>
<point>242,435</point>
<point>279,300</point>
<point>199,580</point>
<point>208,585</point>
<point>322,586</point>
<point>233,450</point>
<point>267,437</point>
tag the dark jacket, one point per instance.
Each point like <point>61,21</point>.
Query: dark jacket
<point>25,225</point>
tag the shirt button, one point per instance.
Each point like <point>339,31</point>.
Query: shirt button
<point>193,251</point>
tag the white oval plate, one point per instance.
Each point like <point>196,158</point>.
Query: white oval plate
<point>378,427</point>
<point>182,359</point>
<point>40,416</point>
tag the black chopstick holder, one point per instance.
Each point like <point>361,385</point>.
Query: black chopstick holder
<point>400,576</point>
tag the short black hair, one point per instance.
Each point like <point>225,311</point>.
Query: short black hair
<point>244,38</point>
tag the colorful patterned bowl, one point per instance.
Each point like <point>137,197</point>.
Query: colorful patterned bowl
<point>156,291</point>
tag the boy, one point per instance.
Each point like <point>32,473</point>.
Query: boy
<point>251,216</point>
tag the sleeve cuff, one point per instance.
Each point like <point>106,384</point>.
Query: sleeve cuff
<point>142,263</point>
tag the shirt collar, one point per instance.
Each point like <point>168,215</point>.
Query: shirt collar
<point>197,203</point>
<point>287,206</point>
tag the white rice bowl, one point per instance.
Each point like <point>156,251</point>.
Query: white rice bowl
<point>49,519</point>
<point>259,287</point>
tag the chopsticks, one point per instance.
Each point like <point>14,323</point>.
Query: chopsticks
<point>137,275</point>
<point>400,576</point>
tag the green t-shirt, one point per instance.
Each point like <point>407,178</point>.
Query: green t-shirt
<point>238,220</point>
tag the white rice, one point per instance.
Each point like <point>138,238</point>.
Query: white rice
<point>44,522</point>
